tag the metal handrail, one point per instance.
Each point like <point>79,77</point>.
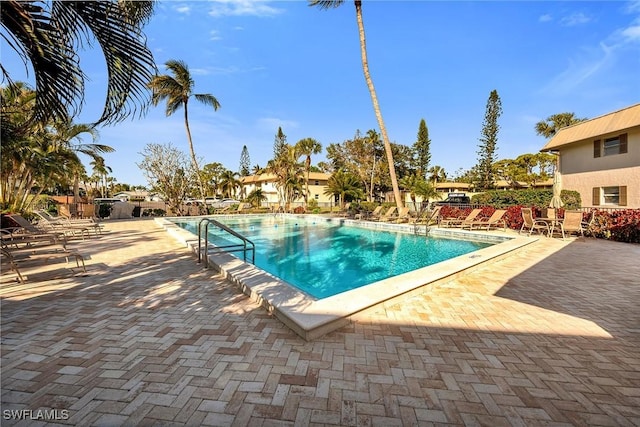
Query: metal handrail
<point>226,248</point>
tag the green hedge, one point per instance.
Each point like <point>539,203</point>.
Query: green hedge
<point>539,198</point>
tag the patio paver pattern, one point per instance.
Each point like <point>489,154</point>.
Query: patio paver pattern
<point>547,336</point>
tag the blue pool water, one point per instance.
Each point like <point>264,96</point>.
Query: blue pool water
<point>324,258</point>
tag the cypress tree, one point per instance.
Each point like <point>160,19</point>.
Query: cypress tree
<point>279,144</point>
<point>421,149</point>
<point>488,143</point>
<point>245,162</point>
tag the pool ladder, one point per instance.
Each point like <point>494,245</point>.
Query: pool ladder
<point>244,247</point>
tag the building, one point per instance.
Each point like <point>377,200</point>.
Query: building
<point>267,182</point>
<point>600,159</point>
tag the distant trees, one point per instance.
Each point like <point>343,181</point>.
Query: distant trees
<point>488,143</point>
<point>177,89</point>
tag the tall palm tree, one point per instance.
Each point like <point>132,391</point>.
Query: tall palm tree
<point>306,147</point>
<point>102,170</point>
<point>326,4</point>
<point>177,89</point>
<point>47,34</point>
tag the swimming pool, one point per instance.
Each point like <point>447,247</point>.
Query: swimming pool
<point>325,258</point>
<point>310,317</point>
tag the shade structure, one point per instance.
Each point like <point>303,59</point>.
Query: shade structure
<point>556,201</point>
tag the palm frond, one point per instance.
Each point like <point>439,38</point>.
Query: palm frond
<point>208,99</point>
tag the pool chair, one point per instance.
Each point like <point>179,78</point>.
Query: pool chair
<point>428,216</point>
<point>66,227</point>
<point>530,224</point>
<point>388,215</point>
<point>495,220</point>
<point>461,222</point>
<point>19,259</point>
<point>372,216</point>
<point>89,223</point>
<point>404,215</point>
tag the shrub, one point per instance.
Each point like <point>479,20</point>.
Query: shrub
<point>528,197</point>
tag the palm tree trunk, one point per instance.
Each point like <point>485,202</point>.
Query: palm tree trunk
<point>194,161</point>
<point>376,106</point>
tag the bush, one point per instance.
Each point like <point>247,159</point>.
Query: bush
<point>618,225</point>
<point>537,198</point>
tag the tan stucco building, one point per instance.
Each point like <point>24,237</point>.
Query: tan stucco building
<point>600,158</point>
<point>266,181</point>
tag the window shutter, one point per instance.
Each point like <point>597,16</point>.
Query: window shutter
<point>623,143</point>
<point>596,148</point>
<point>622,201</point>
<point>596,196</point>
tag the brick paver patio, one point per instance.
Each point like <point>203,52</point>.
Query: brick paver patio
<point>548,336</point>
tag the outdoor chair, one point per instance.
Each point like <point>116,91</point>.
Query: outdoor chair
<point>19,259</point>
<point>572,223</point>
<point>388,215</point>
<point>428,216</point>
<point>89,223</point>
<point>531,224</point>
<point>404,215</point>
<point>374,215</point>
<point>461,221</point>
<point>495,220</point>
<point>69,230</point>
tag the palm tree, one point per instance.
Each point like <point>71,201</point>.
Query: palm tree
<point>344,184</point>
<point>326,4</point>
<point>256,197</point>
<point>47,35</point>
<point>101,170</point>
<point>177,90</point>
<point>228,183</point>
<point>288,173</point>
<point>437,173</point>
<point>555,122</point>
<point>306,147</point>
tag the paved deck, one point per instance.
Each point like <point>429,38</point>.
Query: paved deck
<point>548,336</point>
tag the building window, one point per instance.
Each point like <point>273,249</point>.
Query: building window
<point>316,196</point>
<point>317,182</point>
<point>610,146</point>
<point>612,196</point>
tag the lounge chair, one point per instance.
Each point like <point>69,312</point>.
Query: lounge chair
<point>493,221</point>
<point>388,215</point>
<point>374,215</point>
<point>18,237</point>
<point>572,223</point>
<point>531,224</point>
<point>428,216</point>
<point>21,258</point>
<point>89,223</point>
<point>404,215</point>
<point>461,222</point>
<point>70,230</point>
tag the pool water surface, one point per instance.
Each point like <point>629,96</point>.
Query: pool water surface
<point>324,258</point>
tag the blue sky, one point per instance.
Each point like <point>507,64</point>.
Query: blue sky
<point>273,63</point>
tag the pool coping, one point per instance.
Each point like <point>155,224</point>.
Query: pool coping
<point>312,318</point>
